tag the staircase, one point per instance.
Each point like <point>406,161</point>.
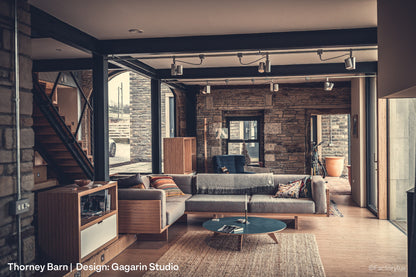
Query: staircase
<point>55,141</point>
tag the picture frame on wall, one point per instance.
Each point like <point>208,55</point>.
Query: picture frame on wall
<point>355,126</point>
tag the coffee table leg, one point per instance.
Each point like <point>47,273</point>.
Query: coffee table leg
<point>273,236</point>
<point>241,242</point>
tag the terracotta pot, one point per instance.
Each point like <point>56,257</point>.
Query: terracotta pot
<point>334,166</point>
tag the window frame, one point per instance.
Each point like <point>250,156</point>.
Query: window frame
<point>243,118</point>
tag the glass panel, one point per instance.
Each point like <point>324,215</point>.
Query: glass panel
<point>236,148</point>
<point>372,146</point>
<point>244,130</point>
<point>167,110</point>
<point>129,124</point>
<point>402,153</point>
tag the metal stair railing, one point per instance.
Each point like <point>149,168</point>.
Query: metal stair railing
<point>64,133</point>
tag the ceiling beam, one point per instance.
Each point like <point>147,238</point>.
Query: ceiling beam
<point>59,65</point>
<point>277,70</point>
<point>243,42</point>
<point>45,25</point>
<point>136,66</point>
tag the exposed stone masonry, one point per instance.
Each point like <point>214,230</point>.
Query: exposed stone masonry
<point>140,117</point>
<point>285,130</point>
<point>8,184</point>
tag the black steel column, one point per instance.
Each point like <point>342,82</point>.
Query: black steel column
<point>156,100</point>
<point>100,95</point>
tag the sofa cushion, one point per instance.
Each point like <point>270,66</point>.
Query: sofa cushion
<point>235,184</point>
<point>215,203</point>
<point>289,190</point>
<point>167,184</point>
<point>284,179</point>
<point>175,207</point>
<point>261,203</point>
<point>129,181</point>
<point>306,189</point>
<point>184,182</point>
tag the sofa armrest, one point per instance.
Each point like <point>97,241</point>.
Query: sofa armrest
<point>142,194</point>
<point>138,202</point>
<point>319,194</point>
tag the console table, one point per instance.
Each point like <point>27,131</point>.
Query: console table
<point>76,222</point>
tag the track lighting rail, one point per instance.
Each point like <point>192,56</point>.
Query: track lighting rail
<point>244,54</point>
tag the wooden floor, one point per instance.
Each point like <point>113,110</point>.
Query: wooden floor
<point>357,244</point>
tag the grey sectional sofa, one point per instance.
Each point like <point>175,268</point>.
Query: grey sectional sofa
<point>150,211</point>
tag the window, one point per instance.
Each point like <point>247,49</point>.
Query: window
<point>402,152</point>
<point>244,130</point>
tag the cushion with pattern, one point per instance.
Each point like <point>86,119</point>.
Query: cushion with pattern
<point>289,190</point>
<point>306,190</point>
<point>167,184</point>
<point>134,181</point>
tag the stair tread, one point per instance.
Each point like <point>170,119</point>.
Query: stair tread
<point>46,184</point>
<point>46,136</point>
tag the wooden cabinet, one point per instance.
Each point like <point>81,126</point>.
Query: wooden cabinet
<point>76,222</point>
<point>179,155</point>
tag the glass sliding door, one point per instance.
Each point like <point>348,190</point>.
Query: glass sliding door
<point>371,103</point>
<point>402,152</point>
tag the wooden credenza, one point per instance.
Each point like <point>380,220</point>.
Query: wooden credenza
<point>179,155</point>
<point>71,233</point>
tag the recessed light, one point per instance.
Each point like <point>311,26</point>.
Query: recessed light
<point>137,31</point>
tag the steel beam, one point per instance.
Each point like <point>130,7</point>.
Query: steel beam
<point>100,115</point>
<point>277,70</point>
<point>243,42</point>
<point>156,100</point>
<point>45,25</point>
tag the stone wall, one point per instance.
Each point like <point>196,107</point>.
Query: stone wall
<point>335,132</point>
<point>285,124</point>
<point>8,184</point>
<point>141,117</point>
<point>180,111</point>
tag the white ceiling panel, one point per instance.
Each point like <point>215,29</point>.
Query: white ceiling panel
<point>111,19</point>
<point>47,48</point>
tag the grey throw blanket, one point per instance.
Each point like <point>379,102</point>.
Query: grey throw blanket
<point>235,184</point>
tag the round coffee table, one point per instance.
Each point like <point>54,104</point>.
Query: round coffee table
<point>256,225</point>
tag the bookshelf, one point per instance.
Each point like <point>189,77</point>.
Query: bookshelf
<point>179,155</point>
<point>71,230</point>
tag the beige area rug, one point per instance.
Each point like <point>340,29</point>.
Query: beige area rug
<point>202,254</point>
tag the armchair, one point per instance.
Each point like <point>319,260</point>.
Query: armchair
<point>233,163</point>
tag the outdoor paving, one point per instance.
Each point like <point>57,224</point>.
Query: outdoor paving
<point>338,185</point>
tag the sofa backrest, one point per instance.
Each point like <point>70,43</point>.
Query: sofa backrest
<point>185,182</point>
<point>235,183</point>
<point>286,178</point>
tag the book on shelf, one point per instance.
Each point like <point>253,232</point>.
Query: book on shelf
<point>231,229</point>
<point>91,213</point>
<point>95,203</point>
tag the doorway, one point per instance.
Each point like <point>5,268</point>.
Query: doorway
<point>334,131</point>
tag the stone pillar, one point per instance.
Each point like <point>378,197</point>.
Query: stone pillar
<point>140,119</point>
<point>8,184</point>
